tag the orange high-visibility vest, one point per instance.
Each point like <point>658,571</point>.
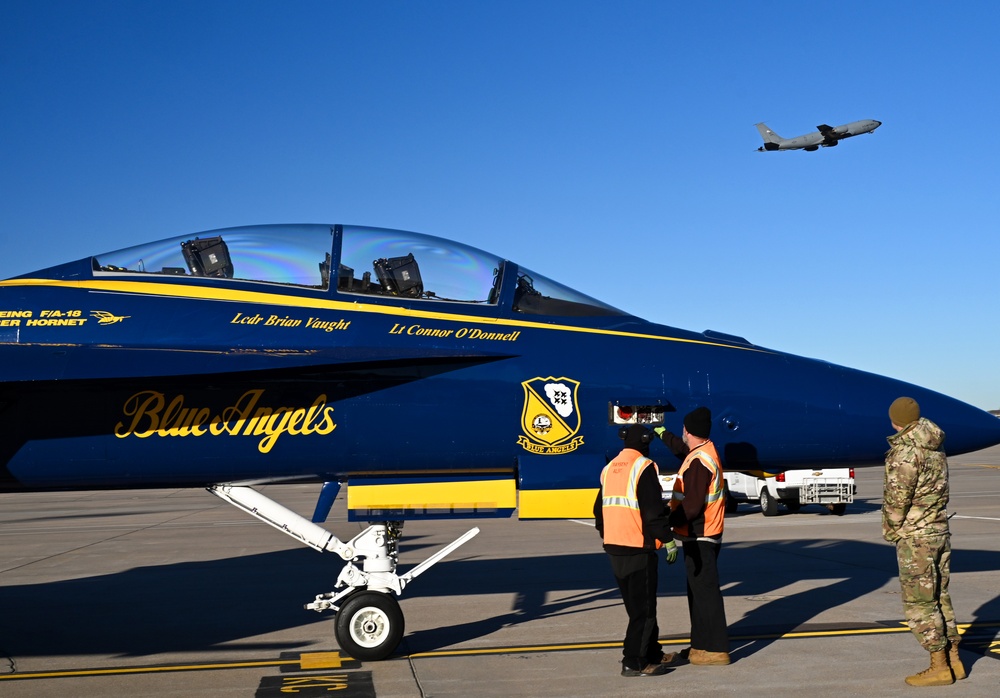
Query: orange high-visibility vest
<point>715,501</point>
<point>622,518</point>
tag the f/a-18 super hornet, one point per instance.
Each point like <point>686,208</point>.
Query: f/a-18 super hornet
<point>428,377</point>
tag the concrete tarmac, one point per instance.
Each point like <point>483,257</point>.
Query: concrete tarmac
<point>176,593</point>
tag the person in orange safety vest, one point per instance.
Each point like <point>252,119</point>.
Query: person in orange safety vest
<point>633,523</point>
<point>697,512</point>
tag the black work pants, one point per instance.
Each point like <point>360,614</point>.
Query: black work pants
<point>708,614</point>
<point>637,577</point>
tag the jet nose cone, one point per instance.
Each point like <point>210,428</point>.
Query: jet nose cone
<point>966,428</point>
<point>867,397</point>
<point>974,431</point>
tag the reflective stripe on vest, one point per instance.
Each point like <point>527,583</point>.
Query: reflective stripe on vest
<point>622,517</point>
<point>715,503</point>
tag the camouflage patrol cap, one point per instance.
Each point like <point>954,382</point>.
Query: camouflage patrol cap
<point>903,411</point>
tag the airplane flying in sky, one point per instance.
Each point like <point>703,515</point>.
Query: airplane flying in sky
<point>826,136</point>
<point>431,378</point>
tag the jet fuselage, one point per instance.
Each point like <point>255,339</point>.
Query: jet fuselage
<point>115,377</point>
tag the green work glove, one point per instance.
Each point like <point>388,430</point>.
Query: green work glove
<point>659,431</point>
<point>671,550</point>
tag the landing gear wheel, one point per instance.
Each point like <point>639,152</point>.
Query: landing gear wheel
<point>369,625</point>
<point>768,504</point>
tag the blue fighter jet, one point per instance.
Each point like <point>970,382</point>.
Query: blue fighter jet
<point>431,378</point>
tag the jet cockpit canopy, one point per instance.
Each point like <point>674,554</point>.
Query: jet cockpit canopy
<point>355,260</point>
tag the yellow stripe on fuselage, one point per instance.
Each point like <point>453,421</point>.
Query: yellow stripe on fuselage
<point>557,504</point>
<point>264,298</point>
<point>474,494</point>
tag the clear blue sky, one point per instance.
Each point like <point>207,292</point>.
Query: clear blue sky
<point>608,145</point>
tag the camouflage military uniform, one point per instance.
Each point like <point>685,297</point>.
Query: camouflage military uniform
<point>915,519</point>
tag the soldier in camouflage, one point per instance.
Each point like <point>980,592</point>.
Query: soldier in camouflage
<point>915,520</point>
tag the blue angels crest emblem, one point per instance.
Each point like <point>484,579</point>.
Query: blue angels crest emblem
<point>550,418</point>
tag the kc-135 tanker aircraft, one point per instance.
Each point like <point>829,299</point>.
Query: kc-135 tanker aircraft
<point>431,378</point>
<point>826,136</point>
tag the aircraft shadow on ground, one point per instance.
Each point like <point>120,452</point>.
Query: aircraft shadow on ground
<point>203,606</point>
<point>853,569</point>
<point>184,606</point>
<point>756,569</point>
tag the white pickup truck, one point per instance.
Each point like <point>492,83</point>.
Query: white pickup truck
<point>831,487</point>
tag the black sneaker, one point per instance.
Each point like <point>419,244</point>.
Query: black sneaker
<point>648,670</point>
<point>676,658</point>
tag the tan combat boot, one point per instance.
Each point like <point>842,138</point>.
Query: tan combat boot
<point>957,668</point>
<point>705,658</point>
<point>937,674</point>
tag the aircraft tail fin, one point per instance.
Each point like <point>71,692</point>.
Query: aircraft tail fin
<point>771,139</point>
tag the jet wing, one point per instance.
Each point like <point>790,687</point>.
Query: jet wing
<point>830,136</point>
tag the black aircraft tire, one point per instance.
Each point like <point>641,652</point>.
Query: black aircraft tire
<point>369,625</point>
<point>768,504</point>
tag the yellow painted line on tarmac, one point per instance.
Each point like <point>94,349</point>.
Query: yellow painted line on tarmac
<point>524,648</point>
<point>845,632</point>
<point>663,641</point>
<point>306,662</point>
<point>119,671</point>
<point>313,661</point>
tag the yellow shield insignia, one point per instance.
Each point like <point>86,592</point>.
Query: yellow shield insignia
<point>551,416</point>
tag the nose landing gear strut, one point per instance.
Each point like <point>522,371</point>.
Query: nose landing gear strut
<point>369,623</point>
